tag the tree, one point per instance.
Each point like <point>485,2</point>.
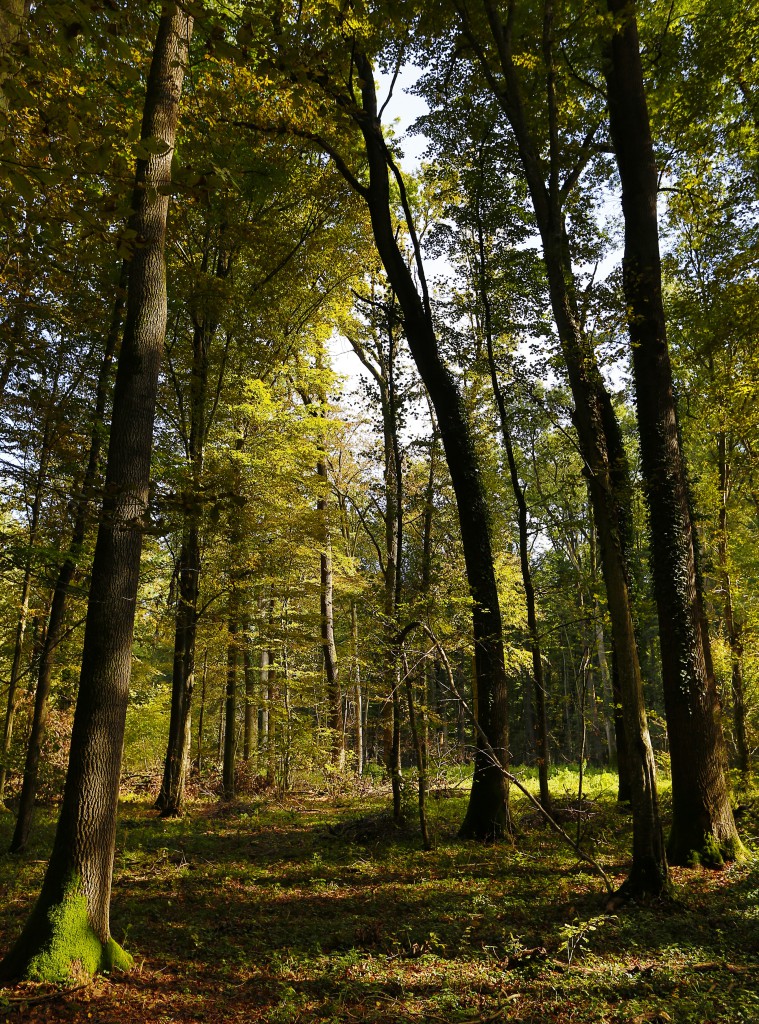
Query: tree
<point>702,818</point>
<point>70,921</point>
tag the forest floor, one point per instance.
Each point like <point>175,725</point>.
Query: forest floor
<point>318,908</point>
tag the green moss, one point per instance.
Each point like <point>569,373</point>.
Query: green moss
<point>115,958</point>
<point>73,947</point>
<point>714,854</point>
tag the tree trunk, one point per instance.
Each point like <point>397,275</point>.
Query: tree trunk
<point>733,628</point>
<point>70,922</point>
<point>171,798</point>
<point>702,819</point>
<point>487,814</point>
<point>230,709</point>
<point>359,726</point>
<point>26,586</point>
<point>201,716</point>
<point>250,726</point>
<point>329,651</point>
<point>271,696</point>
<point>541,720</point>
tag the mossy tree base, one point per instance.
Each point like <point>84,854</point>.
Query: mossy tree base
<point>59,943</point>
<point>708,851</point>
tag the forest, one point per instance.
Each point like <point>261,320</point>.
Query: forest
<point>379,496</point>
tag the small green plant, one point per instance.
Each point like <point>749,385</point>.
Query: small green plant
<point>576,936</point>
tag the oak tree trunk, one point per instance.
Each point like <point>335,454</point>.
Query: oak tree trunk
<point>70,921</point>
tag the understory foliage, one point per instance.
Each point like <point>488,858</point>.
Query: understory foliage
<point>300,909</point>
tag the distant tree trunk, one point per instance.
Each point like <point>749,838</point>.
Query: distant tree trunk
<point>733,627</point>
<point>18,646</point>
<point>66,574</point>
<point>487,814</point>
<point>421,756</point>
<point>26,586</point>
<point>70,922</point>
<point>230,709</point>
<point>608,700</point>
<point>383,367</point>
<point>265,720</point>
<point>359,726</point>
<point>201,716</point>
<point>518,489</point>
<point>702,819</point>
<point>271,696</point>
<point>171,797</point>
<point>612,694</point>
<point>250,726</point>
<point>326,599</point>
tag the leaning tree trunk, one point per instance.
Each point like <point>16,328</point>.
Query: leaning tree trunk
<point>702,819</point>
<point>487,814</point>
<point>69,924</point>
<point>66,574</point>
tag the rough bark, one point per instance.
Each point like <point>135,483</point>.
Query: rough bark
<point>70,921</point>
<point>702,819</point>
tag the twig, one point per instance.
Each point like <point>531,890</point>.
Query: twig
<point>48,998</point>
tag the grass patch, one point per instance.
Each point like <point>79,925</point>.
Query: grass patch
<point>300,910</point>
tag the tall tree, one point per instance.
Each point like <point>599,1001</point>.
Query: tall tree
<point>70,921</point>
<point>56,617</point>
<point>487,813</point>
<point>702,818</point>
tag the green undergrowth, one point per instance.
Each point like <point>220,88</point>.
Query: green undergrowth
<point>307,909</point>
